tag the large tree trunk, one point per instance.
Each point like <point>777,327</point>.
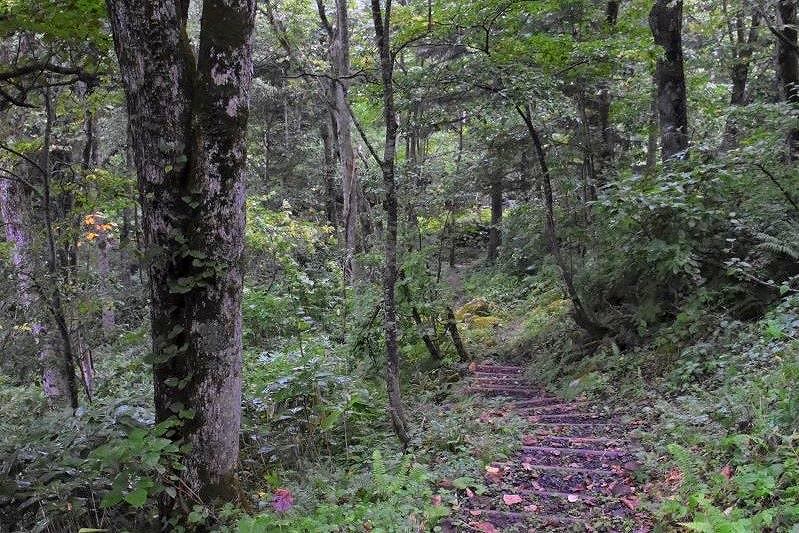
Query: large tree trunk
<point>788,64</point>
<point>665,20</point>
<point>13,209</point>
<point>188,122</point>
<point>494,231</point>
<point>382,36</point>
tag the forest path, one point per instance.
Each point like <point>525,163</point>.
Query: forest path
<point>572,473</point>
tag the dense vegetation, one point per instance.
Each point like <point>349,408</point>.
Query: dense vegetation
<point>603,192</point>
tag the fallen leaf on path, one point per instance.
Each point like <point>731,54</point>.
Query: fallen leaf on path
<point>486,527</point>
<point>631,502</point>
<point>494,473</point>
<point>469,493</point>
<point>531,508</point>
<point>573,498</point>
<point>472,366</point>
<point>726,471</point>
<point>527,466</point>
<point>674,478</point>
<point>282,500</point>
<point>436,499</point>
<point>511,499</point>
<point>620,489</point>
<point>475,512</point>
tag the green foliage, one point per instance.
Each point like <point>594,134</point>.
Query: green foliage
<point>391,499</point>
<point>77,21</point>
<point>310,401</point>
<point>295,281</point>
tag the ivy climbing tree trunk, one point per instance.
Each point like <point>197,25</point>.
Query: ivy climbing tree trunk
<point>788,63</point>
<point>665,21</point>
<point>382,26</point>
<point>188,117</point>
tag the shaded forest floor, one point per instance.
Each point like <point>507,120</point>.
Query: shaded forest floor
<point>701,430</point>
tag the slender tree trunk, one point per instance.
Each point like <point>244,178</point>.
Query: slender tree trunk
<point>452,328</point>
<point>494,231</point>
<point>612,12</point>
<point>340,55</point>
<point>382,26</point>
<point>188,122</point>
<point>127,238</point>
<point>52,293</point>
<point>13,209</point>
<point>788,64</point>
<point>90,161</point>
<point>429,342</point>
<point>582,314</point>
<point>743,45</point>
<point>652,134</point>
<point>665,21</point>
<point>326,130</point>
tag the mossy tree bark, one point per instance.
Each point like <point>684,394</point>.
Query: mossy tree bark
<point>188,117</point>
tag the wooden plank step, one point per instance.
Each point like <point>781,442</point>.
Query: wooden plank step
<point>495,375</point>
<point>551,407</point>
<point>543,493</point>
<point>571,469</point>
<point>556,417</point>
<point>576,440</point>
<point>497,369</point>
<point>575,424</point>
<point>535,402</point>
<point>576,451</point>
<point>523,517</point>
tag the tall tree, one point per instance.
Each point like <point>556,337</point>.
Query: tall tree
<point>788,63</point>
<point>742,42</point>
<point>340,60</point>
<point>382,27</point>
<point>188,116</point>
<point>495,230</point>
<point>665,21</point>
<point>14,214</point>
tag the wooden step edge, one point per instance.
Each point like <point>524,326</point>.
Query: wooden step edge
<point>571,469</point>
<point>576,451</point>
<point>562,438</point>
<point>520,404</point>
<point>519,517</point>
<point>575,424</point>
<point>553,416</point>
<point>562,405</point>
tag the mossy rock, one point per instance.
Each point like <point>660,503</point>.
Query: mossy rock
<point>478,307</point>
<point>483,322</point>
